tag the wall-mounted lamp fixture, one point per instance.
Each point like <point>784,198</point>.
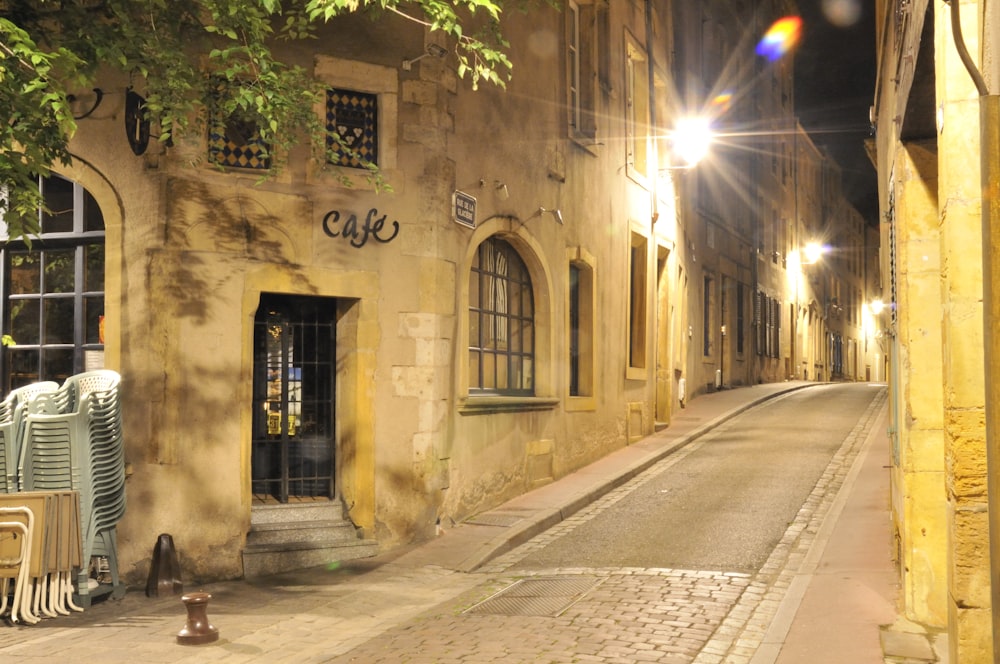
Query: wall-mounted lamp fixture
<point>556,214</point>
<point>432,49</point>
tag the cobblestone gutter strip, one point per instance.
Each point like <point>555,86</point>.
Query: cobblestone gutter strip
<point>743,630</point>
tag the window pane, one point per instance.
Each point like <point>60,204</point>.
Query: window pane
<point>93,269</point>
<point>473,289</point>
<point>475,379</point>
<point>93,218</point>
<point>59,325</point>
<point>514,299</point>
<point>474,329</point>
<point>93,313</point>
<point>515,335</point>
<point>59,271</point>
<point>25,273</point>
<point>58,197</point>
<point>490,331</point>
<point>489,370</point>
<point>23,366</point>
<point>24,321</point>
<point>500,363</point>
<point>57,364</point>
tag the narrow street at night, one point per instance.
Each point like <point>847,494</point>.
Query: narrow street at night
<point>668,565</point>
<point>705,556</point>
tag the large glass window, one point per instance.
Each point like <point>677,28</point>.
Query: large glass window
<point>53,290</point>
<point>501,322</point>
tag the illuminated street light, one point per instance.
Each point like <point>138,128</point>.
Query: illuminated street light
<point>689,142</point>
<point>813,252</point>
<point>810,254</point>
<point>692,138</point>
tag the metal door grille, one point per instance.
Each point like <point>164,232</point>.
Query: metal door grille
<point>293,405</point>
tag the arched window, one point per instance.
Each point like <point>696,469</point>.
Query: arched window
<point>501,322</point>
<point>53,290</point>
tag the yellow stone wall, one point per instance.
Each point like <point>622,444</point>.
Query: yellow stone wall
<point>959,203</point>
<point>930,194</point>
<point>919,490</point>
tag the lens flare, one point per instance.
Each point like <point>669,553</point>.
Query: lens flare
<point>722,101</point>
<point>780,38</point>
<point>842,13</point>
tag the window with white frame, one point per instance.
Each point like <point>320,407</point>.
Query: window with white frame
<point>637,112</point>
<point>581,69</point>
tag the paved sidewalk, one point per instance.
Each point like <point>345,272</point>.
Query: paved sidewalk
<point>831,599</point>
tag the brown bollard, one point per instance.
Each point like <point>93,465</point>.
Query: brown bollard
<point>164,572</point>
<point>198,630</point>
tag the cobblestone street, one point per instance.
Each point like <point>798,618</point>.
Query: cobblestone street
<point>621,616</point>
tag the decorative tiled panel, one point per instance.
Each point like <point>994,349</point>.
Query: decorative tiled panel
<point>246,150</point>
<point>354,117</point>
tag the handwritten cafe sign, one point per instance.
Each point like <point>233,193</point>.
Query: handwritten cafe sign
<point>358,233</point>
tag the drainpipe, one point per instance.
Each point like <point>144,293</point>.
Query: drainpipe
<point>653,166</point>
<point>989,135</point>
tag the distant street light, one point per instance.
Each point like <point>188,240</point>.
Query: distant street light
<point>807,255</point>
<point>813,252</point>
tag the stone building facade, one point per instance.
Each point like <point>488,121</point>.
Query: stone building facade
<point>304,354</point>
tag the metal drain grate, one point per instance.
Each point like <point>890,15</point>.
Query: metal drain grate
<point>544,596</point>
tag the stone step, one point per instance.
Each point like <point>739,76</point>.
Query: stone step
<point>264,559</point>
<point>299,535</point>
<point>296,512</point>
<point>302,531</point>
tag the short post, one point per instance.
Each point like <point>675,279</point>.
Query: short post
<point>198,630</point>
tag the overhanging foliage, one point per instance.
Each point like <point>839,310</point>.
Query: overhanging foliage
<point>180,51</point>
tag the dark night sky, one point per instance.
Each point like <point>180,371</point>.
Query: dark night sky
<point>835,86</point>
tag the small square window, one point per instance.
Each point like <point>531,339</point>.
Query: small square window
<point>353,116</point>
<point>237,144</point>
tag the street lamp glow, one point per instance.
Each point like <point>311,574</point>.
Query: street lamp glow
<point>691,138</point>
<point>813,252</point>
<point>877,306</point>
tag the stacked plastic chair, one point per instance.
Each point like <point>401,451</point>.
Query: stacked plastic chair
<point>72,439</point>
<point>13,410</point>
